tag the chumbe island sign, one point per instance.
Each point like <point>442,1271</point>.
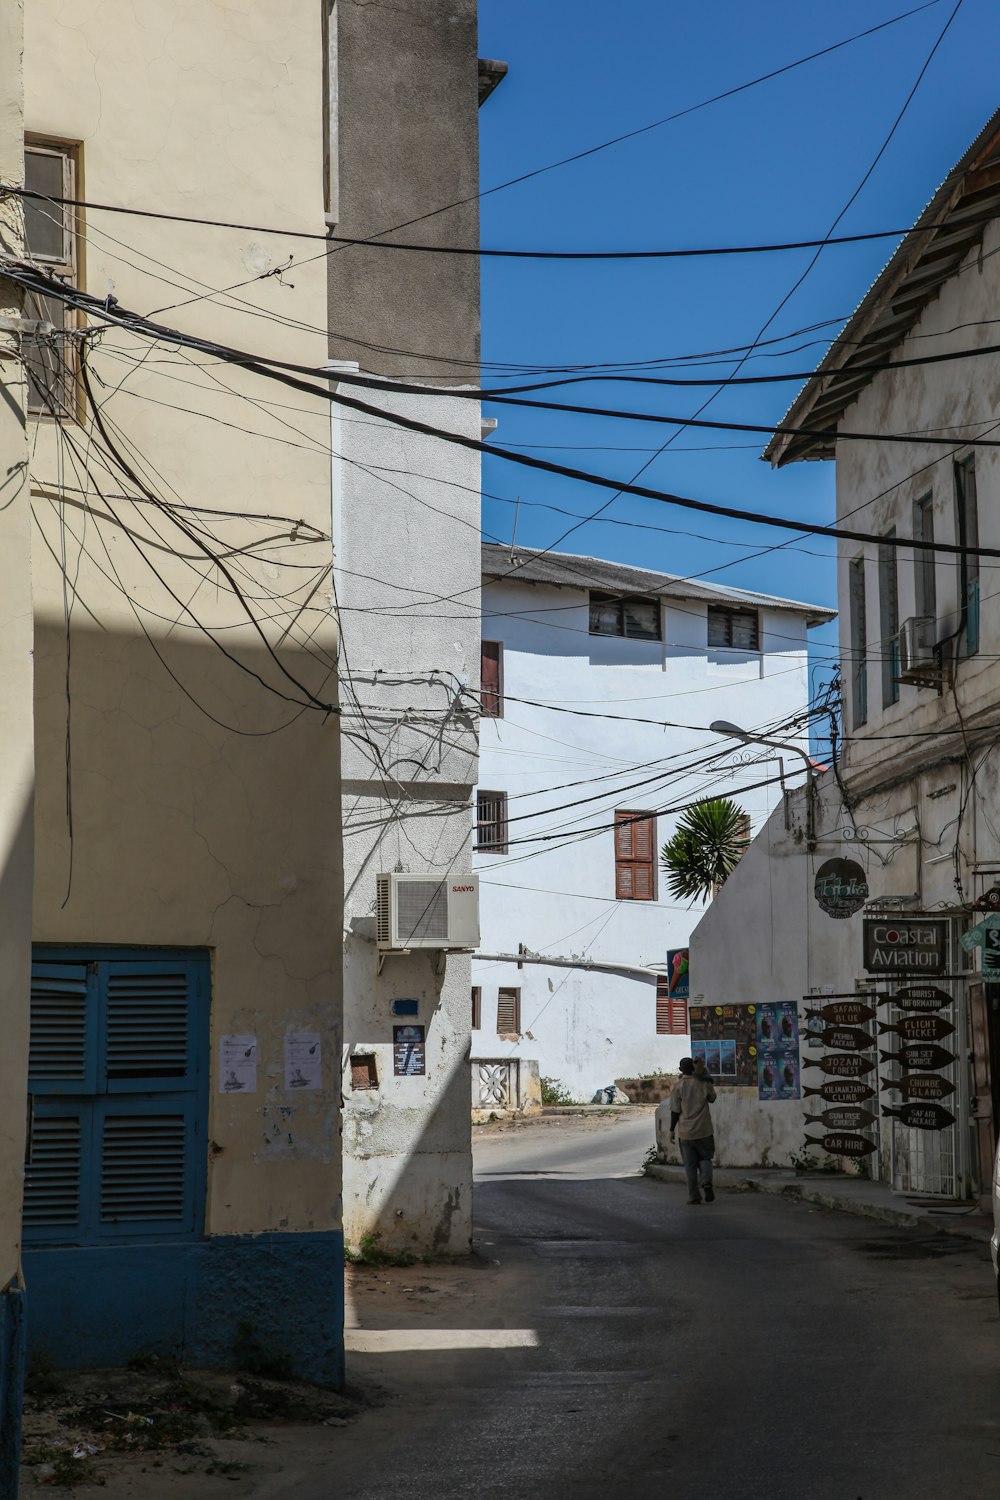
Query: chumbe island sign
<point>841,888</point>
<point>909,945</point>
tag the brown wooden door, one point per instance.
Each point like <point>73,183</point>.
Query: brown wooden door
<point>984,1105</point>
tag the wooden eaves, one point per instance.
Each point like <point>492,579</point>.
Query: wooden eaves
<point>950,226</point>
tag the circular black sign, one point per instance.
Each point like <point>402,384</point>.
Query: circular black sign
<point>841,888</point>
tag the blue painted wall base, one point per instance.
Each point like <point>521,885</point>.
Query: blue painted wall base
<point>104,1304</point>
<point>12,1359</point>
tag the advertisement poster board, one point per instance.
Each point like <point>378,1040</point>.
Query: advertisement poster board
<point>778,1067</point>
<point>678,972</point>
<point>723,1036</point>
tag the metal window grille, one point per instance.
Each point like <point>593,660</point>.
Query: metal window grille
<point>491,822</point>
<point>51,240</point>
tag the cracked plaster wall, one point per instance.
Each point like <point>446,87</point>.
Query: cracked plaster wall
<point>194,823</point>
<point>408,806</point>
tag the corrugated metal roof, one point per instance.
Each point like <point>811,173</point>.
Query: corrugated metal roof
<point>951,224</point>
<point>570,570</point>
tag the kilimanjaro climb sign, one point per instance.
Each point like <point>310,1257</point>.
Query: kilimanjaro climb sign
<point>911,945</point>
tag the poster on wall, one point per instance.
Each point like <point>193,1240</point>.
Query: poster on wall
<point>303,1060</point>
<point>723,1037</point>
<point>408,1051</point>
<point>777,1040</point>
<point>678,972</point>
<point>238,1064</point>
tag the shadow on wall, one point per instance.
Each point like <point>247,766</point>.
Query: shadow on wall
<point>408,1140</point>
<point>203,814</point>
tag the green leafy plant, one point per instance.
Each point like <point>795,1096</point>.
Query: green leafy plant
<point>553,1092</point>
<point>370,1252</point>
<point>804,1160</point>
<point>705,849</point>
<point>651,1159</point>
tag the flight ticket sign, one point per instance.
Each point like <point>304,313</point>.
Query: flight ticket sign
<point>911,945</point>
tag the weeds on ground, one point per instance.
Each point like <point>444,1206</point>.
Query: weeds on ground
<point>553,1092</point>
<point>371,1253</point>
<point>651,1159</point>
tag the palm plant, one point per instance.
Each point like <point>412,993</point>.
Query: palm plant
<point>705,849</point>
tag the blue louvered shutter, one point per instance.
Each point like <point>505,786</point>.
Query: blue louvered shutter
<point>149,1034</point>
<point>62,1057</point>
<point>125,1158</point>
<point>146,1153</point>
<point>55,1208</point>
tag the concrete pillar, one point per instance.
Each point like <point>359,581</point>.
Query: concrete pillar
<point>16,755</point>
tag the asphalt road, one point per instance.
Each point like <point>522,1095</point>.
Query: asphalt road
<point>747,1348</point>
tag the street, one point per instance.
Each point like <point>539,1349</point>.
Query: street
<point>751,1348</point>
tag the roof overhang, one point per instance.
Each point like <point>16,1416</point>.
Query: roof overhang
<point>950,226</point>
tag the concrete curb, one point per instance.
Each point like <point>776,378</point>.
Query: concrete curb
<point>811,1192</point>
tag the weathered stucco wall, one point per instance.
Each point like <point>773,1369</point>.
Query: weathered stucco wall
<point>877,486</point>
<point>204,788</point>
<point>16,758</point>
<point>410,747</point>
<point>408,144</point>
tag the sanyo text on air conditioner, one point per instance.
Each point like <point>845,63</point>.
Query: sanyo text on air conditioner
<point>423,911</point>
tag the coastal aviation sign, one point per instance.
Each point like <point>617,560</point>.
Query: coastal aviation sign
<point>910,945</point>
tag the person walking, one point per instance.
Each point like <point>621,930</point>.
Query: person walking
<point>691,1125</point>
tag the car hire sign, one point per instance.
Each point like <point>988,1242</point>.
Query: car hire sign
<point>912,945</point>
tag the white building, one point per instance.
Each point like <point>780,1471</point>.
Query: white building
<point>406,532</point>
<point>917,805</point>
<point>599,684</point>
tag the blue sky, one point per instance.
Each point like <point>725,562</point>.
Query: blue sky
<point>777,162</point>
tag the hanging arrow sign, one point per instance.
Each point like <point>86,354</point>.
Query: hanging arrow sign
<point>843,1119</point>
<point>923,997</point>
<point>842,1091</point>
<point>922,1116</point>
<point>919,1058</point>
<point>918,1028</point>
<point>919,1086</point>
<point>842,1038</point>
<point>842,1064</point>
<point>843,1143</point>
<point>843,1013</point>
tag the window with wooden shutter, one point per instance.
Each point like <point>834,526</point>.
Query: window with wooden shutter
<point>635,856</point>
<point>477,1007</point>
<point>509,1013</point>
<point>117,1075</point>
<point>491,680</point>
<point>671,1010</point>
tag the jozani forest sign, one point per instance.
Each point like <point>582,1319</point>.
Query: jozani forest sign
<point>841,888</point>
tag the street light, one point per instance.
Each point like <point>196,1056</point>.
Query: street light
<point>723,726</point>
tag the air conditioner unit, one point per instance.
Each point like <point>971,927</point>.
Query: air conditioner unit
<point>423,911</point>
<point>919,661</point>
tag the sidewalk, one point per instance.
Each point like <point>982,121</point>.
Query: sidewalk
<point>850,1195</point>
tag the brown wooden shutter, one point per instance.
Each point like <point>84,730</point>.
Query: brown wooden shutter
<point>490,695</point>
<point>635,857</point>
<point>671,1011</point>
<point>508,1012</point>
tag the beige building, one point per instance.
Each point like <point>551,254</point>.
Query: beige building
<point>184,1167</point>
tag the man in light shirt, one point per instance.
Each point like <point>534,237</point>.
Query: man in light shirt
<point>691,1126</point>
